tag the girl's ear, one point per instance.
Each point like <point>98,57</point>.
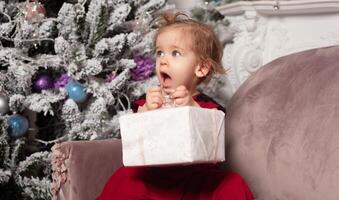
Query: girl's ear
<point>202,69</point>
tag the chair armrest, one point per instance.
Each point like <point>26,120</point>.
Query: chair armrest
<point>81,168</point>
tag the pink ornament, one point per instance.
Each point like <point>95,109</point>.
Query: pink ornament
<point>34,11</point>
<point>110,77</point>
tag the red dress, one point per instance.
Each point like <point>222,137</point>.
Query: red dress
<point>192,182</point>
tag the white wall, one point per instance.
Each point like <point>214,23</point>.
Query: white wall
<point>184,4</point>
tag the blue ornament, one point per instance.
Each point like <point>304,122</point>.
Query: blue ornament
<point>76,91</point>
<point>17,125</point>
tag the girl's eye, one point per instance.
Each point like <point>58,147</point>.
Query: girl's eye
<point>160,53</point>
<point>176,53</point>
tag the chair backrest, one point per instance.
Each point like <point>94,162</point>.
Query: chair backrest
<point>283,125</point>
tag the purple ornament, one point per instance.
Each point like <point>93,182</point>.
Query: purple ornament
<point>143,69</point>
<point>43,82</point>
<point>62,81</point>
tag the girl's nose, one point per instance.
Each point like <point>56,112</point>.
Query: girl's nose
<point>163,60</point>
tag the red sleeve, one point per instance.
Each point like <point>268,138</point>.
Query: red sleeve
<point>139,102</point>
<point>205,101</point>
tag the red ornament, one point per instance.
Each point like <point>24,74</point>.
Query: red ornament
<point>34,11</point>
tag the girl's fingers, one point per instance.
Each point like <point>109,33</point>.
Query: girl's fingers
<point>156,100</point>
<point>153,92</point>
<point>158,95</point>
<point>153,106</point>
<point>155,89</point>
<point>181,88</point>
<point>179,101</point>
<point>179,94</point>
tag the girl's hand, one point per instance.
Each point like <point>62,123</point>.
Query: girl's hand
<point>182,97</point>
<point>154,98</point>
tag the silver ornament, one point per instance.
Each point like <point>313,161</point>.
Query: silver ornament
<point>3,104</point>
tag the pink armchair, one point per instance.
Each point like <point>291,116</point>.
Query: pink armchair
<point>81,168</point>
<point>282,128</point>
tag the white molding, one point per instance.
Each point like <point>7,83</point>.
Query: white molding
<point>285,7</point>
<point>262,34</point>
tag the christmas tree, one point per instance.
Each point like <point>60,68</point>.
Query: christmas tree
<point>68,70</point>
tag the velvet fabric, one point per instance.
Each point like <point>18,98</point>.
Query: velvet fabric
<point>81,168</point>
<point>283,127</point>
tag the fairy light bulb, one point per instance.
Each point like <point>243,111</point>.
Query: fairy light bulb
<point>276,6</point>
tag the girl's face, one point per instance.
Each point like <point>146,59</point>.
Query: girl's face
<point>176,63</point>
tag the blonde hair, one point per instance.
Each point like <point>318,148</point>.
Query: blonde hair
<point>205,42</point>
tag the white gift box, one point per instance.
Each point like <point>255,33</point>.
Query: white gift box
<point>180,135</point>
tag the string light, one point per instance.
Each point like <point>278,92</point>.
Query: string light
<point>276,6</point>
<point>60,139</point>
<point>8,17</point>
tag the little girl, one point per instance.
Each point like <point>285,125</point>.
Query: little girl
<point>187,53</point>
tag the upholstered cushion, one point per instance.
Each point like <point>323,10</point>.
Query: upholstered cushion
<point>81,168</point>
<point>283,127</point>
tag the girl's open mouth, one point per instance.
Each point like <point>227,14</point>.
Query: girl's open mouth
<point>165,79</point>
